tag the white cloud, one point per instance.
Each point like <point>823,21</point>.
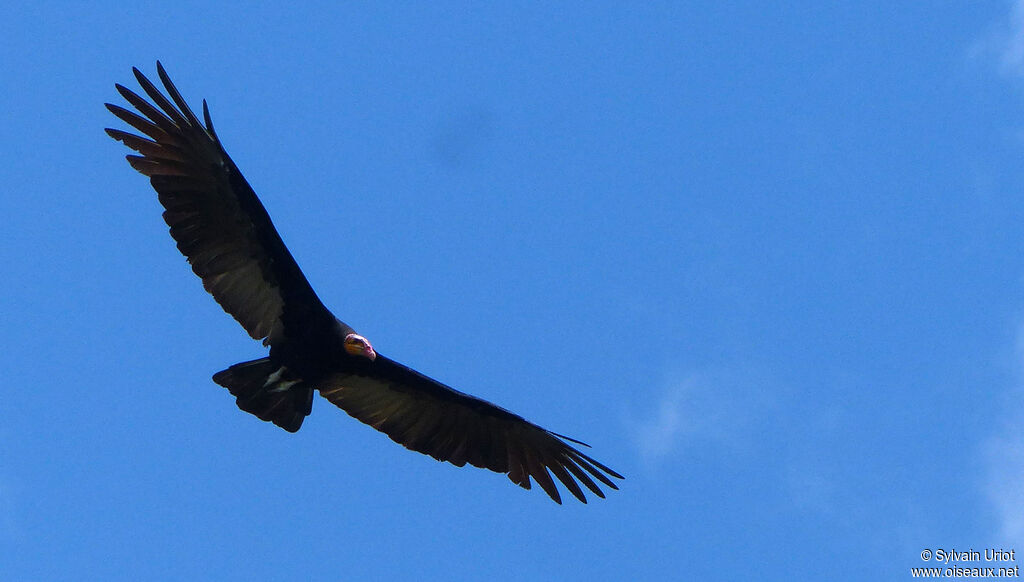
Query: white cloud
<point>1003,453</point>
<point>1004,457</point>
<point>660,433</point>
<point>1012,42</point>
<point>1004,43</point>
<point>696,408</point>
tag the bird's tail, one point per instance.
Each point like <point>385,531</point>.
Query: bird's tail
<point>269,391</point>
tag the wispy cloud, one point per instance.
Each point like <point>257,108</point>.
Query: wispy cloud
<point>695,408</point>
<point>1004,457</point>
<point>1004,43</point>
<point>1012,42</point>
<point>660,432</point>
<point>1003,452</point>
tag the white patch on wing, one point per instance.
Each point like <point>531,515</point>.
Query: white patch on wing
<point>279,385</point>
<point>273,378</point>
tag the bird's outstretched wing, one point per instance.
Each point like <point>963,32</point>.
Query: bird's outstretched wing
<point>428,417</point>
<point>214,215</point>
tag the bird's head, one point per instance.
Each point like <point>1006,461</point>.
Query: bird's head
<point>357,345</point>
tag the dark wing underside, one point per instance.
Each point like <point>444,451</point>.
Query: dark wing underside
<point>431,418</point>
<point>214,215</point>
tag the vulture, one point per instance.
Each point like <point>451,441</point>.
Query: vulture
<point>226,234</point>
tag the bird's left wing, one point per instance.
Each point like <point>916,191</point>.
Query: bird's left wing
<point>428,417</point>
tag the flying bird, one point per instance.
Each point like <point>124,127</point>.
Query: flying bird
<point>226,234</point>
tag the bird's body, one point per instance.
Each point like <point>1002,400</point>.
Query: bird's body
<point>220,225</point>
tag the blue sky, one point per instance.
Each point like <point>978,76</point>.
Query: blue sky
<point>768,261</point>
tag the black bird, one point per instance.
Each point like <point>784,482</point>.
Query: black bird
<point>227,236</point>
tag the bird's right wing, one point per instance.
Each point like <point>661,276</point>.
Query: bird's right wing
<point>428,417</point>
<point>214,215</point>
